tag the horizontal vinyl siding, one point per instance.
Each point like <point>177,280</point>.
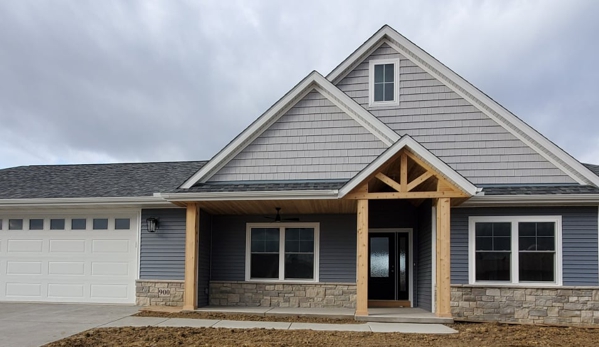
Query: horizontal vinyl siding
<point>337,246</point>
<point>424,261</point>
<point>579,240</point>
<point>451,128</point>
<point>162,254</point>
<point>204,258</point>
<point>313,140</point>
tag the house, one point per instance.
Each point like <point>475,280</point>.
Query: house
<point>392,181</point>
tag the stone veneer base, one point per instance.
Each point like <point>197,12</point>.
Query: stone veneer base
<point>290,294</point>
<point>159,292</point>
<point>528,305</point>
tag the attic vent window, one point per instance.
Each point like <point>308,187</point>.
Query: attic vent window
<point>384,86</point>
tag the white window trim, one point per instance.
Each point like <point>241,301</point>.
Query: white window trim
<point>374,62</point>
<point>281,227</point>
<point>514,281</point>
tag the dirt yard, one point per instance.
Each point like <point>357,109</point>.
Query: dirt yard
<point>470,334</point>
<point>247,317</point>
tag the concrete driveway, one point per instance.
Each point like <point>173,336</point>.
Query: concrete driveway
<point>35,324</point>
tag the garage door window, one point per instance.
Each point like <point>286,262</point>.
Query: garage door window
<point>15,224</point>
<point>56,224</point>
<point>78,224</point>
<point>100,223</point>
<point>122,224</point>
<point>36,224</point>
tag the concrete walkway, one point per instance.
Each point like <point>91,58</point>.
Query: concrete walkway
<point>230,324</point>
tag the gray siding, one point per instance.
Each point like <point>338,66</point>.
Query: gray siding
<point>163,252</point>
<point>337,246</point>
<point>579,240</point>
<point>313,140</point>
<point>424,262</point>
<point>204,258</point>
<point>451,128</point>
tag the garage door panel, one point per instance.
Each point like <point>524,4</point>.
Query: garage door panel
<point>62,290</point>
<point>67,246</point>
<point>66,268</point>
<point>110,246</point>
<point>25,246</point>
<point>96,266</point>
<point>23,268</point>
<point>30,290</point>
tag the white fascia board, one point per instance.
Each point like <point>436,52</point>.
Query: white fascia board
<point>518,200</point>
<point>313,81</point>
<point>481,101</point>
<point>418,149</point>
<point>266,195</point>
<point>46,202</point>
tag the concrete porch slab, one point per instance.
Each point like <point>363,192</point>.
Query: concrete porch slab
<point>338,313</point>
<point>403,315</point>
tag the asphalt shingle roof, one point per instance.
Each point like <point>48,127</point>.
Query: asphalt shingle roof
<point>540,190</point>
<point>94,180</point>
<point>263,187</point>
<point>593,168</point>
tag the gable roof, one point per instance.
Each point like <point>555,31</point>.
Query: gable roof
<point>93,180</point>
<point>463,88</point>
<point>407,142</point>
<point>314,81</point>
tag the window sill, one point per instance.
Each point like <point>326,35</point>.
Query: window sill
<point>383,104</point>
<point>257,280</point>
<point>510,284</point>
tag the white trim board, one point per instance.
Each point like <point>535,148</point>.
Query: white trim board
<point>371,67</point>
<point>423,153</point>
<point>485,104</point>
<point>314,81</point>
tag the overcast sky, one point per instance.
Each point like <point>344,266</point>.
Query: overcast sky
<point>125,81</point>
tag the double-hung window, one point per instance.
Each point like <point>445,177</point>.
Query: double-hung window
<point>514,250</point>
<point>384,82</point>
<point>282,252</point>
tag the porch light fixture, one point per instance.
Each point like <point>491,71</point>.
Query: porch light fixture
<point>152,224</point>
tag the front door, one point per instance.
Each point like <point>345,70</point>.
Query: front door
<point>388,263</point>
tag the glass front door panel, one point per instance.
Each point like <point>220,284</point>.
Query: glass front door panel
<point>403,264</point>
<point>379,257</point>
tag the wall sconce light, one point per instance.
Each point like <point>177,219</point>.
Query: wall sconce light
<point>152,224</point>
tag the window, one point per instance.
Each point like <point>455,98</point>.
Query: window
<point>56,224</point>
<point>100,223</point>
<point>285,251</point>
<point>15,224</point>
<point>384,78</point>
<point>78,224</point>
<point>122,224</point>
<point>515,249</point>
<point>36,224</point>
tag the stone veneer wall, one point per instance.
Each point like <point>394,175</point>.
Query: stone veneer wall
<point>548,305</point>
<point>283,294</point>
<point>159,293</point>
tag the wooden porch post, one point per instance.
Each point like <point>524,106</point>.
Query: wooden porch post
<point>362,274</point>
<point>192,231</point>
<point>443,294</point>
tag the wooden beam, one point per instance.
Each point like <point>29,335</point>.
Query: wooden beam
<point>362,271</point>
<point>415,183</point>
<point>192,231</point>
<point>404,195</point>
<point>403,172</point>
<point>388,181</point>
<point>443,294</point>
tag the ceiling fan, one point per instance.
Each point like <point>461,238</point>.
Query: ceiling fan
<point>277,218</point>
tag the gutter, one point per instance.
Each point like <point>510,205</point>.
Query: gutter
<point>257,195</point>
<point>140,200</point>
<point>517,200</point>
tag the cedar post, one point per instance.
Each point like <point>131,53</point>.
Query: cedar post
<point>362,273</point>
<point>443,294</point>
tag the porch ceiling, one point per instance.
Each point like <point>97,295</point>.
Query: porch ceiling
<point>288,207</point>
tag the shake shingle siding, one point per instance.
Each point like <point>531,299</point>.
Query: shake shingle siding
<point>579,240</point>
<point>313,140</point>
<point>451,128</point>
<point>162,254</point>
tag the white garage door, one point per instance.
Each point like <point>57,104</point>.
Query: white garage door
<point>74,258</point>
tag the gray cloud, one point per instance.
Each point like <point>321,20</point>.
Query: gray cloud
<point>105,81</point>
